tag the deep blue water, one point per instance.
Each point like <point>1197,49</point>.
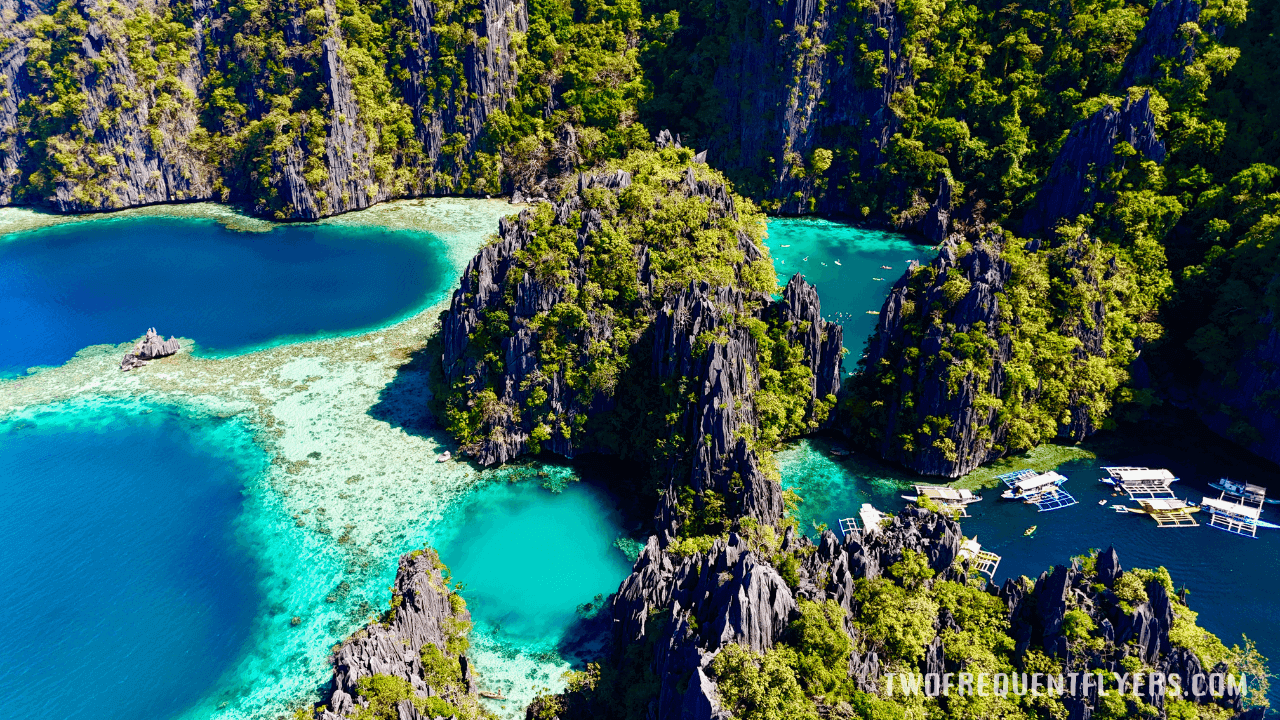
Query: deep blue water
<point>70,286</point>
<point>1232,580</point>
<point>126,591</point>
<point>122,557</point>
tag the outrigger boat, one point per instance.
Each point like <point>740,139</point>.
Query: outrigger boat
<point>1243,490</point>
<point>1242,516</point>
<point>1040,489</point>
<point>1140,481</point>
<point>443,457</point>
<point>870,519</point>
<point>948,498</point>
<point>984,561</point>
<point>1167,512</point>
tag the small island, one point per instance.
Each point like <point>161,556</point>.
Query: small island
<point>150,347</point>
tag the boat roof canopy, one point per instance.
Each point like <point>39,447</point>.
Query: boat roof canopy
<point>1232,508</point>
<point>942,492</point>
<point>1141,474</point>
<point>1163,504</point>
<point>1039,481</point>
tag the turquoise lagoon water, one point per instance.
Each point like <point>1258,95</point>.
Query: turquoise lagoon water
<point>536,566</point>
<point>1233,581</point>
<point>153,542</point>
<point>127,587</point>
<point>855,287</point>
<point>106,281</point>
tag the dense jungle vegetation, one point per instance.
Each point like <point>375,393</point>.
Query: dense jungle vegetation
<point>804,677</point>
<point>596,341</point>
<point>984,93</point>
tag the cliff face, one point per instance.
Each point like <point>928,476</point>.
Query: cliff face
<point>1162,38</point>
<point>699,351</point>
<point>488,75</point>
<point>13,54</point>
<point>972,359</point>
<point>936,393</point>
<point>284,106</point>
<point>787,91</point>
<point>417,646</point>
<point>1038,612</point>
<point>99,111</point>
<point>1079,176</point>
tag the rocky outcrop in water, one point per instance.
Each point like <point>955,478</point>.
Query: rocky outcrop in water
<point>1076,179</point>
<point>721,376</point>
<point>930,392</point>
<point>422,616</point>
<point>942,414</point>
<point>150,347</point>
<point>686,610</point>
<point>1037,613</point>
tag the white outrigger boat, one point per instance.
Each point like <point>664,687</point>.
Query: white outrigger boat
<point>1243,490</point>
<point>948,498</point>
<point>1242,516</point>
<point>1044,490</point>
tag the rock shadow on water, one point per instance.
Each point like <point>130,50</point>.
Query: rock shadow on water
<point>405,402</point>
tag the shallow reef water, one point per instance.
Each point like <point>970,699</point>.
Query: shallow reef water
<point>537,558</point>
<point>344,490</point>
<point>263,497</point>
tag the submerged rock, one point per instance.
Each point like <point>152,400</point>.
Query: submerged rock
<point>150,347</point>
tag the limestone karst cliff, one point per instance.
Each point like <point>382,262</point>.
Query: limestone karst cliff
<point>968,363</point>
<point>632,316</point>
<point>300,111</point>
<point>820,624</point>
<point>1089,158</point>
<point>410,664</point>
